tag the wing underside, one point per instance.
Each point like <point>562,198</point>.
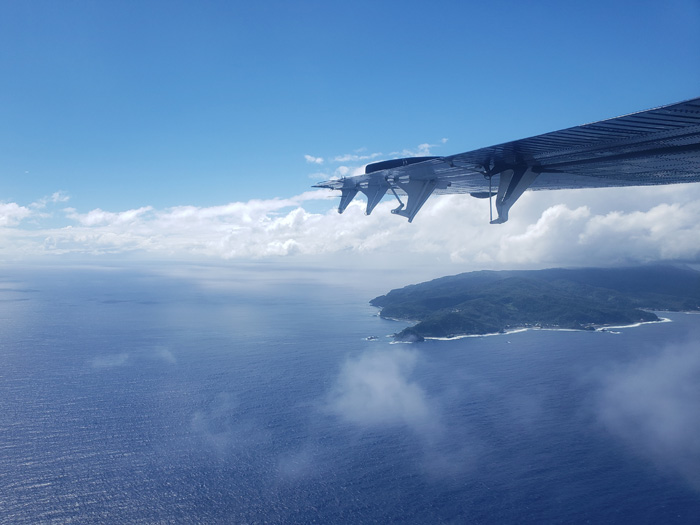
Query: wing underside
<point>657,146</point>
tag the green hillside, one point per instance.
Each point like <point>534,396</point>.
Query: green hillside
<point>488,301</point>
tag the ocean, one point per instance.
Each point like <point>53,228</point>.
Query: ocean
<point>253,395</point>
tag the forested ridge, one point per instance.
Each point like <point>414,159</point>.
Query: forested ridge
<point>493,301</point>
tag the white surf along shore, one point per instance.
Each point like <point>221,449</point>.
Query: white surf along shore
<point>609,329</point>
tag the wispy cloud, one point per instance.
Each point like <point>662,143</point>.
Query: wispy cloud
<point>376,391</point>
<point>652,406</point>
<point>165,354</point>
<point>355,157</point>
<point>110,361</point>
<point>313,160</point>
<point>347,171</point>
<point>222,426</point>
<point>422,150</point>
<point>11,213</point>
<point>54,198</point>
<point>352,164</point>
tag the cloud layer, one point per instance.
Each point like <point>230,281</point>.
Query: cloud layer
<point>580,227</point>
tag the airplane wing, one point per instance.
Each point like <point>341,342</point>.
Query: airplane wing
<point>657,146</point>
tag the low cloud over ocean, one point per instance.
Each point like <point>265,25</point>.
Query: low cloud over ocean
<point>566,228</point>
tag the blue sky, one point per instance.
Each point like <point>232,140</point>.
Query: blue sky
<point>153,105</point>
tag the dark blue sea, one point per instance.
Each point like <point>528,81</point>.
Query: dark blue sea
<point>252,395</point>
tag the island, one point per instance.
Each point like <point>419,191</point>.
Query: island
<point>488,302</point>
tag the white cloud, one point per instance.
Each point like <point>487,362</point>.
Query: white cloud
<point>11,213</point>
<point>59,196</point>
<point>313,160</point>
<point>97,217</point>
<point>54,198</point>
<point>375,390</point>
<point>423,150</point>
<point>565,228</point>
<point>666,231</point>
<point>351,168</point>
<point>355,157</point>
<point>347,171</point>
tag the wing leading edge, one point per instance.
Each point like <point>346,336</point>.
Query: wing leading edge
<point>657,146</point>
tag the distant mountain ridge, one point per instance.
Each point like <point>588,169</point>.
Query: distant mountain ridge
<point>485,302</point>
